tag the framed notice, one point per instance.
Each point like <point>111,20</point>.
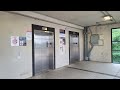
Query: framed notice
<point>22,41</point>
<point>62,41</point>
<point>29,35</point>
<point>14,40</point>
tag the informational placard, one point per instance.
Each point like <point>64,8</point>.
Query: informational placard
<point>22,41</point>
<point>62,45</point>
<point>29,35</point>
<point>62,33</point>
<point>62,41</point>
<point>14,40</point>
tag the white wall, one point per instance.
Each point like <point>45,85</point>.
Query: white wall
<point>16,25</point>
<point>103,53</point>
<point>62,60</point>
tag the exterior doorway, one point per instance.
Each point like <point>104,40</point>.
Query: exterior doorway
<point>115,45</point>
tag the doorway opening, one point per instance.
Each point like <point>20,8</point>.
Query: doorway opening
<point>43,49</point>
<point>115,45</point>
<point>74,52</point>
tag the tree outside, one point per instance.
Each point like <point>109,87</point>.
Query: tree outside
<point>116,45</point>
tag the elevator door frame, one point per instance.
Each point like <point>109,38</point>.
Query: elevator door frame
<point>39,27</point>
<point>78,46</point>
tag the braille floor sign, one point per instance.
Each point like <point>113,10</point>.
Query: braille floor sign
<point>14,40</point>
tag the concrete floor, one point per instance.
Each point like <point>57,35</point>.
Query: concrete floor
<point>83,70</point>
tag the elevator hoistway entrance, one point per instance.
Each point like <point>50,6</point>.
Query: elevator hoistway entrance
<point>43,50</point>
<point>74,55</point>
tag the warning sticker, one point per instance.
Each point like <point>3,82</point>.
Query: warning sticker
<point>14,40</point>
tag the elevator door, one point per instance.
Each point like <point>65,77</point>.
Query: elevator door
<point>74,47</point>
<point>43,51</point>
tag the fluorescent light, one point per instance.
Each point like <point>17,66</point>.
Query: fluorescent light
<point>106,18</point>
<point>44,28</point>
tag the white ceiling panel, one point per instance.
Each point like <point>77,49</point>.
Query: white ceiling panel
<point>116,15</point>
<point>83,18</point>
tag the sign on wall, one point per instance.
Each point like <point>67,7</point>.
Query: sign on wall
<point>22,41</point>
<point>62,41</point>
<point>62,33</point>
<point>29,35</point>
<point>18,41</point>
<point>14,40</point>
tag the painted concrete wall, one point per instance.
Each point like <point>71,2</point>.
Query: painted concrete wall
<point>103,53</point>
<point>15,25</point>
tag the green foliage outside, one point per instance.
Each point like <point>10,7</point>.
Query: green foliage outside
<point>116,45</point>
<point>116,35</point>
<point>116,57</point>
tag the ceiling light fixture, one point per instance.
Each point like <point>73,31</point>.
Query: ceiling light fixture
<point>44,28</point>
<point>107,18</point>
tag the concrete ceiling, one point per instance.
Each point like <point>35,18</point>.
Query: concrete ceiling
<point>82,18</point>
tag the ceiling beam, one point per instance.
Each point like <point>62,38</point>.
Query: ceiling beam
<point>46,18</point>
<point>103,13</point>
<point>104,24</point>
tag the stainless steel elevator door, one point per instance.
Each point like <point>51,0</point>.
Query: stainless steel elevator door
<point>43,50</point>
<point>74,48</point>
